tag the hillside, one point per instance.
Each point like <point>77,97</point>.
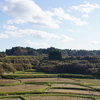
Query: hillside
<point>19,58</point>
<point>17,63</point>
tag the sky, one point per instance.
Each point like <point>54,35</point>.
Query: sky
<point>63,24</point>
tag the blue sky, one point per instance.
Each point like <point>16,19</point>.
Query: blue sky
<point>65,24</point>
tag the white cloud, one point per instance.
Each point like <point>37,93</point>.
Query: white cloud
<point>3,35</point>
<point>26,11</point>
<point>62,15</point>
<point>28,42</point>
<point>9,27</point>
<point>39,34</point>
<point>85,15</point>
<point>85,8</point>
<point>78,31</point>
<point>94,42</point>
<point>70,30</point>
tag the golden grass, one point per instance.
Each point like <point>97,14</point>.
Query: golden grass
<point>8,81</point>
<point>98,87</point>
<point>90,82</point>
<point>25,87</point>
<point>69,86</point>
<point>48,80</point>
<point>72,91</point>
<point>11,99</point>
<point>55,98</point>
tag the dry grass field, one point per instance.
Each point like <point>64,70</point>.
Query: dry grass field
<point>25,87</point>
<point>98,87</point>
<point>69,86</point>
<point>55,98</point>
<point>48,80</point>
<point>90,82</point>
<point>11,99</point>
<point>72,91</point>
<point>8,81</point>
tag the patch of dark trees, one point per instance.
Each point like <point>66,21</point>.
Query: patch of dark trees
<point>72,64</point>
<point>64,52</point>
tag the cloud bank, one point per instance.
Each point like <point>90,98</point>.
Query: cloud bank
<point>26,11</point>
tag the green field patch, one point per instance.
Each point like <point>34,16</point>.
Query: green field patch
<point>20,76</point>
<point>21,72</point>
<point>39,74</point>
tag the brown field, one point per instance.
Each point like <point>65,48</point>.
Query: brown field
<point>69,86</point>
<point>55,98</point>
<point>8,81</point>
<point>11,99</point>
<point>95,82</point>
<point>71,91</point>
<point>25,87</point>
<point>48,80</point>
<point>96,87</point>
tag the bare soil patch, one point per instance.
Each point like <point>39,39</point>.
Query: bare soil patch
<point>48,80</point>
<point>25,87</point>
<point>69,86</point>
<point>71,91</point>
<point>8,81</point>
<point>55,98</point>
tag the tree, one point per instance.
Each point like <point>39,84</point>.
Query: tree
<point>55,55</point>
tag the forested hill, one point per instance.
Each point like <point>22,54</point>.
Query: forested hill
<point>65,52</point>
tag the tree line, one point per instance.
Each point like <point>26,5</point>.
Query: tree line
<point>64,52</point>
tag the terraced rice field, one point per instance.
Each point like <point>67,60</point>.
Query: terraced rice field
<point>98,87</point>
<point>11,99</point>
<point>90,82</point>
<point>8,81</point>
<point>48,80</point>
<point>69,86</point>
<point>55,86</point>
<point>25,87</point>
<point>72,91</point>
<point>55,98</point>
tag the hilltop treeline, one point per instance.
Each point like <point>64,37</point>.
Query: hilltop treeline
<point>65,52</point>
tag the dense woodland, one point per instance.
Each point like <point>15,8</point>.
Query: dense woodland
<point>65,52</point>
<point>50,60</point>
